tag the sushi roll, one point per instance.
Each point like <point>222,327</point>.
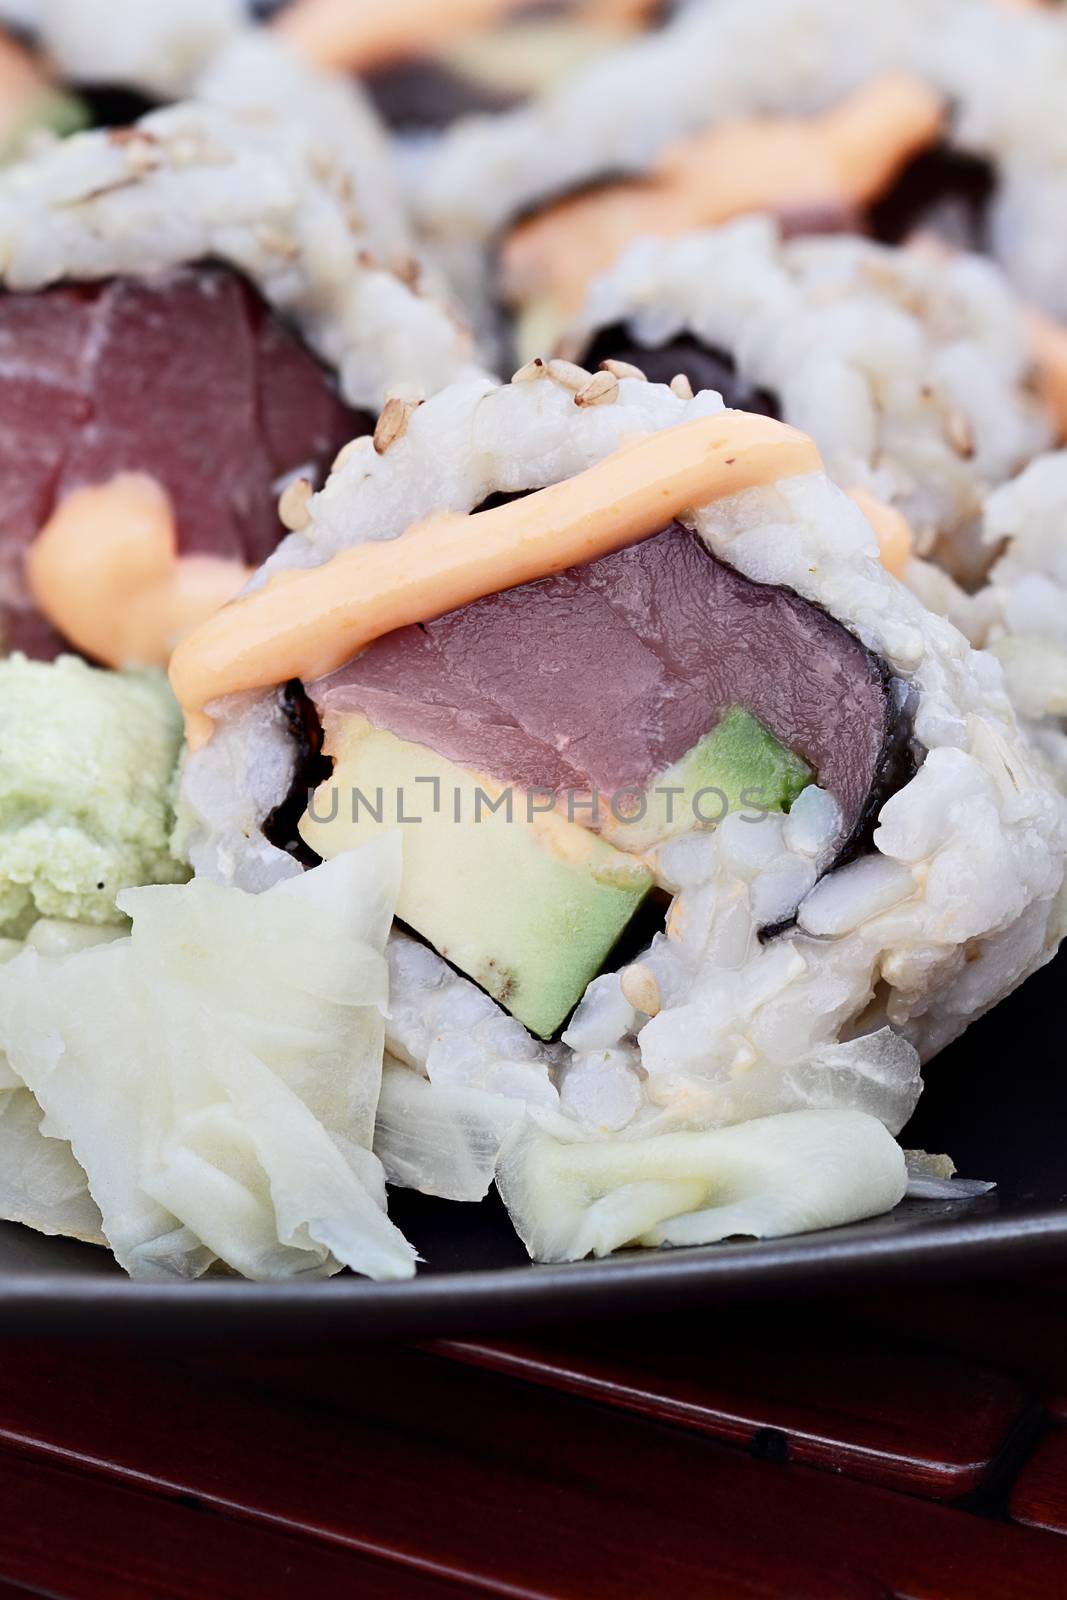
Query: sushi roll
<point>913,370</point>
<point>706,821</point>
<point>179,296</point>
<point>893,125</point>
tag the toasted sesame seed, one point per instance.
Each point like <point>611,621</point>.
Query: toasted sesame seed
<point>293,505</point>
<point>601,390</point>
<point>568,375</point>
<point>142,155</point>
<point>533,369</point>
<point>639,987</point>
<point>960,434</point>
<point>408,270</point>
<point>681,386</point>
<point>276,240</point>
<point>321,162</point>
<point>623,369</point>
<point>393,422</point>
<point>127,136</point>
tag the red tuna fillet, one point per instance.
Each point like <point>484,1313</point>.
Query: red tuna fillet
<point>604,676</point>
<point>189,377</point>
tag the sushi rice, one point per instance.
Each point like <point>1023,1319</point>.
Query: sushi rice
<point>911,370</point>
<point>198,182</point>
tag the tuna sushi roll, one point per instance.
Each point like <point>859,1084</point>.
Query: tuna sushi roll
<point>912,370</point>
<point>703,817</point>
<point>193,324</point>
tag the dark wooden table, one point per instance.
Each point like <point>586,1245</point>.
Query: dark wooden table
<point>912,1445</point>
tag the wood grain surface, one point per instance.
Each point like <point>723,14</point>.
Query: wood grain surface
<point>846,1450</point>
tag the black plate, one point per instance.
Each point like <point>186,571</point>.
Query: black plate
<point>997,1101</point>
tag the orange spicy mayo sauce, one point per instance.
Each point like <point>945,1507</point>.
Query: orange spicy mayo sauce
<point>106,573</point>
<point>896,543</point>
<point>841,159</point>
<point>306,623</point>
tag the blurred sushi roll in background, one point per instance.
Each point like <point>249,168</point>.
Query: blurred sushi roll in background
<point>914,371</point>
<point>424,63</point>
<point>656,596</point>
<point>201,321</point>
<point>121,61</point>
<point>896,126</point>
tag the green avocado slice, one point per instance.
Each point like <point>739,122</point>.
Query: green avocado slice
<point>523,901</point>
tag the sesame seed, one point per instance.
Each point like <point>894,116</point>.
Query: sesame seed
<point>393,423</point>
<point>293,505</point>
<point>623,369</point>
<point>639,987</point>
<point>959,434</point>
<point>601,390</point>
<point>568,375</point>
<point>408,270</point>
<point>142,155</point>
<point>276,240</point>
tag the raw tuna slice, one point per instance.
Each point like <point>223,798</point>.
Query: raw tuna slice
<point>189,377</point>
<point>604,676</point>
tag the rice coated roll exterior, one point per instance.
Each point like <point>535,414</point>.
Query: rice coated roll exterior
<point>783,980</point>
<point>913,370</point>
<point>195,182</point>
<point>114,323</point>
<point>775,105</point>
<point>1020,615</point>
<point>209,52</point>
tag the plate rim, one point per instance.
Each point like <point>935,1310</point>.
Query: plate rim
<point>445,1302</point>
